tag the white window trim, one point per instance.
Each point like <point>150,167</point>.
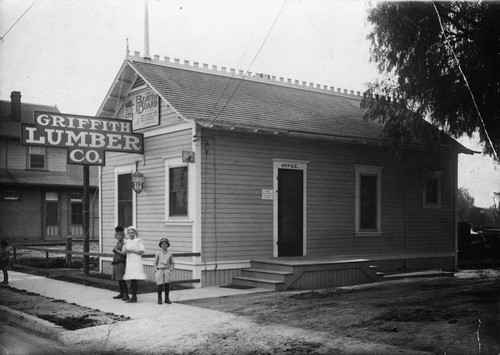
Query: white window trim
<point>432,174</point>
<point>176,162</point>
<point>119,170</point>
<point>367,170</point>
<point>43,152</point>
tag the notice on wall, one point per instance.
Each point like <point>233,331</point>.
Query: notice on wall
<point>267,194</point>
<point>143,109</point>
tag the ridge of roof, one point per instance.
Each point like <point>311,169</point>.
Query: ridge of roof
<point>246,75</point>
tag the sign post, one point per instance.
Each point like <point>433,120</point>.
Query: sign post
<point>86,139</point>
<point>86,219</point>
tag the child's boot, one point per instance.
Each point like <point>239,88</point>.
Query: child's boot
<point>133,287</point>
<point>167,291</point>
<point>160,289</point>
<point>125,291</point>
<point>120,295</point>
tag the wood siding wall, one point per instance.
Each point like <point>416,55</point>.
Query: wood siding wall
<point>151,201</point>
<point>21,221</point>
<point>238,224</point>
<point>178,274</point>
<point>218,277</point>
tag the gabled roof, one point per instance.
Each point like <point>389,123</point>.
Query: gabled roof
<point>221,99</point>
<point>12,129</point>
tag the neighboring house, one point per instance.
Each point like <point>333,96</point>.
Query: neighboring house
<point>249,168</point>
<point>40,194</point>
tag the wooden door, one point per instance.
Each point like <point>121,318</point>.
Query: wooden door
<point>290,212</point>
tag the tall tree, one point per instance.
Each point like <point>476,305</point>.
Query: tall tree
<point>465,203</point>
<point>442,62</point>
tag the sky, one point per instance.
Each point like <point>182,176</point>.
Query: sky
<point>67,53</point>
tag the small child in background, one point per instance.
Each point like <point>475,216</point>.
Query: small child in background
<point>119,260</point>
<point>4,261</point>
<point>164,266</point>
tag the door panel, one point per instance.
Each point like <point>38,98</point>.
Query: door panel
<point>290,212</point>
<point>52,220</point>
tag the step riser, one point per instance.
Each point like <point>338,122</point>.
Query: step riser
<point>262,275</point>
<point>239,282</point>
<point>270,266</point>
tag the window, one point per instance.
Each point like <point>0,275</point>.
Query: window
<point>36,158</point>
<point>368,200</point>
<point>125,200</point>
<point>52,209</point>
<point>431,195</point>
<point>76,209</point>
<point>178,191</point>
<point>11,195</point>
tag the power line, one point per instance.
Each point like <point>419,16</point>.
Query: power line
<point>11,27</point>
<point>255,57</point>
<point>228,82</point>
<point>466,82</point>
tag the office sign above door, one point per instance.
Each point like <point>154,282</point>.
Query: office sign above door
<point>86,138</point>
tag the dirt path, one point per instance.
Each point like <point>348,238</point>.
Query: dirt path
<point>459,315</point>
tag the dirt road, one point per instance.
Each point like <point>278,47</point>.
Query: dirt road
<point>454,315</point>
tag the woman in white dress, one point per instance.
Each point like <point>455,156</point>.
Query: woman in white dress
<point>134,270</point>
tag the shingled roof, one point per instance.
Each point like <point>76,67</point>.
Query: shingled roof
<point>220,98</point>
<point>215,97</point>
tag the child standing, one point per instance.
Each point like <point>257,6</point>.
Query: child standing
<point>119,260</point>
<point>164,266</point>
<point>4,261</point>
<point>134,248</point>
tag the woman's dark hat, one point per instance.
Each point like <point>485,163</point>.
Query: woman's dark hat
<point>118,229</point>
<point>164,240</point>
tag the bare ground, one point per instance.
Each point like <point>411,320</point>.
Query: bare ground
<point>452,315</point>
<point>67,315</point>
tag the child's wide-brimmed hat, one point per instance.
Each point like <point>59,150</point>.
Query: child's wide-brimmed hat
<point>164,240</point>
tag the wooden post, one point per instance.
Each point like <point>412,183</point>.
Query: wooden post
<point>47,263</point>
<point>69,247</point>
<point>85,205</point>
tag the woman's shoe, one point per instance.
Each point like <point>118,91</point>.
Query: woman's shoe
<point>125,298</point>
<point>132,299</point>
<point>118,296</point>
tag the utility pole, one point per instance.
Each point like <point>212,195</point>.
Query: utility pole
<point>86,219</point>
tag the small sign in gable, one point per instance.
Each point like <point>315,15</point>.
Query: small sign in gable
<point>143,109</point>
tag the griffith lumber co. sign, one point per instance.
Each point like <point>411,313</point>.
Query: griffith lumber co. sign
<point>86,138</point>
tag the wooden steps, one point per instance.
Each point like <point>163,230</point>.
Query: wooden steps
<point>284,274</point>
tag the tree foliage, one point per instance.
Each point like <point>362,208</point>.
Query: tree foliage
<point>465,203</point>
<point>410,47</point>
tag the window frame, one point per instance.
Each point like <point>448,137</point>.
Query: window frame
<point>30,154</point>
<point>426,177</point>
<point>182,219</point>
<point>121,170</point>
<point>368,170</point>
<point>76,198</point>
